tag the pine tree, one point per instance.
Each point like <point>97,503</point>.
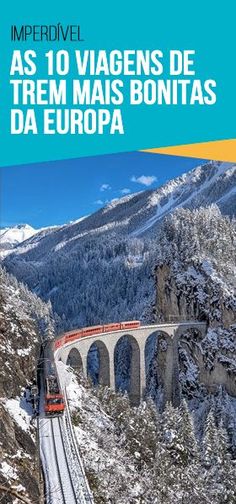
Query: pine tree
<point>210,443</point>
<point>219,468</point>
<point>186,437</point>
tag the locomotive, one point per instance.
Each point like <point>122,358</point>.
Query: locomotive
<point>53,398</point>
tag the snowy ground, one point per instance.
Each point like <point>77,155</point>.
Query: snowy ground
<point>107,465</point>
<point>64,477</point>
<point>20,412</point>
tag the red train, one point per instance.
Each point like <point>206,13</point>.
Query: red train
<point>54,403</point>
<point>90,331</point>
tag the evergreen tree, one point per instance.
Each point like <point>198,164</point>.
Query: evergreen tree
<point>217,462</point>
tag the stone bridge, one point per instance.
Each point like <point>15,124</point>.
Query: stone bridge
<point>167,336</point>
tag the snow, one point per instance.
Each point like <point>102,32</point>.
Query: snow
<point>175,190</point>
<point>20,454</point>
<point>19,488</point>
<point>61,462</point>
<point>8,471</point>
<point>97,259</point>
<point>49,461</point>
<point>22,352</point>
<point>201,263</point>
<point>7,348</point>
<point>97,440</point>
<point>160,212</point>
<point>22,416</point>
<point>17,234</point>
<point>79,220</point>
<point>228,195</point>
<point>26,306</point>
<point>119,201</point>
<point>227,168</point>
<point>207,267</point>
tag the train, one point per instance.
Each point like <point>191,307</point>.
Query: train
<point>93,330</point>
<point>54,402</point>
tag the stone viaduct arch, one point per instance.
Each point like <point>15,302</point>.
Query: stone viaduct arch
<point>103,361</point>
<point>167,366</point>
<point>151,370</point>
<point>132,365</point>
<point>74,359</point>
<point>162,371</point>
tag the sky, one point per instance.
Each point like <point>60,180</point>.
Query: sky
<point>58,192</point>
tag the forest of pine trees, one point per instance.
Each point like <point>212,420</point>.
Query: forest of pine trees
<point>173,465</point>
<point>105,278</point>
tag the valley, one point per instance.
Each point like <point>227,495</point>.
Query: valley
<point>166,255</point>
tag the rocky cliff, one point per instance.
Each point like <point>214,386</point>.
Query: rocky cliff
<point>22,317</point>
<point>195,281</point>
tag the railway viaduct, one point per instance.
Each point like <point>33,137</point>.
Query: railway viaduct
<point>167,336</point>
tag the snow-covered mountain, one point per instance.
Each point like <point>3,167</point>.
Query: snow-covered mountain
<point>141,213</point>
<point>87,267</point>
<point>11,236</point>
<point>157,255</point>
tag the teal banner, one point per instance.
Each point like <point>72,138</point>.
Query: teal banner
<point>157,74</point>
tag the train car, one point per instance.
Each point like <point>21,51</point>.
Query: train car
<point>99,329</point>
<point>54,403</point>
<point>131,324</point>
<point>111,327</point>
<point>90,331</point>
<point>72,336</point>
<point>59,343</point>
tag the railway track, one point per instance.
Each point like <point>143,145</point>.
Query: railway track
<point>68,492</point>
<point>84,495</point>
<point>65,479</point>
<point>64,476</point>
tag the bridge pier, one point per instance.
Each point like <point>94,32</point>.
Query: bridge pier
<point>142,369</point>
<point>135,375</point>
<point>176,393</point>
<point>111,351</point>
<point>171,373</point>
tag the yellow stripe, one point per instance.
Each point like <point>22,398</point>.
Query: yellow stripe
<point>220,150</point>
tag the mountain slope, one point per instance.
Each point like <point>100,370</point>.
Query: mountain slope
<point>12,236</point>
<point>100,269</point>
<point>133,455</point>
<point>23,320</point>
<point>141,213</point>
<point>195,279</point>
<point>182,266</point>
<point>203,186</point>
<point>157,255</point>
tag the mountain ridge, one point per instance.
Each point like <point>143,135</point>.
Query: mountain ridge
<point>141,213</point>
<point>112,248</point>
